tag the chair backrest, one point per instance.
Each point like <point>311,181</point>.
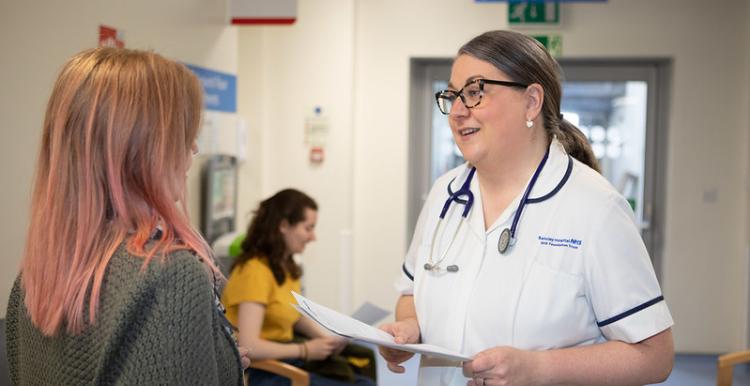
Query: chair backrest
<point>297,376</point>
<point>725,366</point>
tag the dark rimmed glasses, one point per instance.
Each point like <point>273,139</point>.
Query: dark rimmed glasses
<point>471,94</point>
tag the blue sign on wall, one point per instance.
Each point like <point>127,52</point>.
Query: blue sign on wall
<point>219,89</point>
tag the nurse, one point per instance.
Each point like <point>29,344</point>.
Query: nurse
<point>525,258</point>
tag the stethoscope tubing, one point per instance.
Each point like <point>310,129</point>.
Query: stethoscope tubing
<point>468,202</point>
<point>465,190</point>
<point>525,198</point>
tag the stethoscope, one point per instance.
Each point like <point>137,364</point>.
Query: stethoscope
<point>508,235</point>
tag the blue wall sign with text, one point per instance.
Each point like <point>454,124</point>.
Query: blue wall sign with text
<point>219,89</point>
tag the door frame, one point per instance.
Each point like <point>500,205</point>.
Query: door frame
<point>422,73</point>
<point>657,72</point>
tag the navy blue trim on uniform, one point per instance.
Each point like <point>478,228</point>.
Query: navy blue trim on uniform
<point>536,200</point>
<point>631,311</point>
<point>457,199</point>
<point>410,276</point>
<point>557,188</point>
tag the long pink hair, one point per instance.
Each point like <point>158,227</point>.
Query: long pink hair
<point>116,146</point>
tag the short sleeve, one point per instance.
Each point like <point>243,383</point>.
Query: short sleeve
<point>250,282</point>
<point>620,279</point>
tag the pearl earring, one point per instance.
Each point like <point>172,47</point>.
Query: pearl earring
<point>529,123</point>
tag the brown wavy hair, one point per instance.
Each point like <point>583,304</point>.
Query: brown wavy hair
<point>264,239</point>
<point>526,61</point>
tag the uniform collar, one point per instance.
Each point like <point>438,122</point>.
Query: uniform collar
<point>552,174</point>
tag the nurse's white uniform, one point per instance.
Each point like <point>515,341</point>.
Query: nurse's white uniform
<point>577,274</point>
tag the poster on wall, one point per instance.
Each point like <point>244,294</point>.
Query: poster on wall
<point>219,89</point>
<point>222,190</point>
<point>223,132</point>
<point>218,196</point>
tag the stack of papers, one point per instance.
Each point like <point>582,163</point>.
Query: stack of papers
<point>348,327</point>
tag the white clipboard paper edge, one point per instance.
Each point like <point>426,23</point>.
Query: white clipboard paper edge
<point>305,306</point>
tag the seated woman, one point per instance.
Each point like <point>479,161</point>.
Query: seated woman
<point>258,296</point>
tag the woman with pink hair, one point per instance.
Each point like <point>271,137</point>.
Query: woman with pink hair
<point>115,286</point>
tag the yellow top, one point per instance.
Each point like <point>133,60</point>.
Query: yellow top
<point>253,282</point>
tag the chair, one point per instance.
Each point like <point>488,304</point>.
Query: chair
<point>725,366</point>
<point>298,376</point>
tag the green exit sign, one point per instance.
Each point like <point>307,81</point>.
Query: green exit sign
<point>533,12</point>
<point>553,44</point>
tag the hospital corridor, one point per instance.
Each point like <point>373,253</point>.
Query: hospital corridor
<point>379,192</point>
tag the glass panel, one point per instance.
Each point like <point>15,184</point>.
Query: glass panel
<point>613,117</point>
<point>445,154</point>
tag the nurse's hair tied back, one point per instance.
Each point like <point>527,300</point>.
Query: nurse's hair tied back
<point>526,61</point>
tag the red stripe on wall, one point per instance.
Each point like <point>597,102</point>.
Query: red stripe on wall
<point>258,21</point>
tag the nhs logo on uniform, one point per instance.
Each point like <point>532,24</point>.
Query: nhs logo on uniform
<point>560,242</point>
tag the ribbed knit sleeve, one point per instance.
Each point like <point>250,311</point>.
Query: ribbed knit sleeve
<point>158,326</point>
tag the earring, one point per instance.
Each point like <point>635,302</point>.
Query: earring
<point>529,123</point>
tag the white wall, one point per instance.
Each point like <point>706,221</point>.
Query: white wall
<point>35,40</point>
<point>250,105</point>
<point>705,245</point>
<point>289,70</point>
<point>389,33</point>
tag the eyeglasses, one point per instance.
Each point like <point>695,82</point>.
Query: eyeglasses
<point>471,94</point>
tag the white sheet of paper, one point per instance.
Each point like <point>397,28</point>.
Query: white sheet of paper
<point>348,327</point>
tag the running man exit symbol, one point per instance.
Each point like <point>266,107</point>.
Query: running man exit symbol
<point>531,12</point>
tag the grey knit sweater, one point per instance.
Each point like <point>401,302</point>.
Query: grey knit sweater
<point>158,327</point>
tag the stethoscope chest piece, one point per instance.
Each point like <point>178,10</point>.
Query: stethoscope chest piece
<point>504,241</point>
<point>436,267</point>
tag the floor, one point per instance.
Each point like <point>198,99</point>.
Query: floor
<point>689,370</point>
<point>700,370</point>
